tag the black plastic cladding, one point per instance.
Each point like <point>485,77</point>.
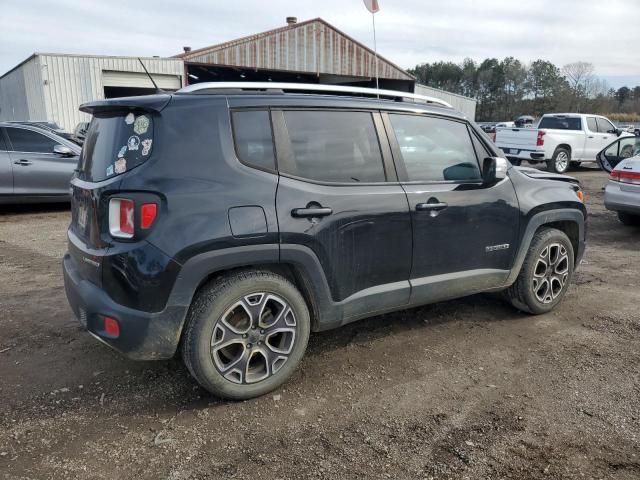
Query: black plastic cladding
<point>373,254</point>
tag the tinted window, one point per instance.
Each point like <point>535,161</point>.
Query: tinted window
<point>334,147</point>
<point>481,150</point>
<point>591,124</point>
<point>604,126</point>
<point>29,141</point>
<point>622,149</point>
<point>561,123</point>
<point>254,143</point>
<point>435,149</point>
<point>115,143</point>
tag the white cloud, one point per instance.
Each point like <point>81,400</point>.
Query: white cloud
<point>409,31</point>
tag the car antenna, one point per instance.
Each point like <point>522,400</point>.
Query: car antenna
<point>158,89</point>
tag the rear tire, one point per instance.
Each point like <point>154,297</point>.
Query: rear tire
<point>245,334</point>
<point>560,161</point>
<point>629,219</point>
<point>545,274</point>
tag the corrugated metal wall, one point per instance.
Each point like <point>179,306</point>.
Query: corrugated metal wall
<point>73,80</point>
<point>313,46</point>
<point>52,87</point>
<point>21,93</point>
<point>461,103</point>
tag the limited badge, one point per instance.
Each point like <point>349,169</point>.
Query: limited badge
<point>122,151</point>
<point>146,146</point>
<point>133,143</point>
<point>120,165</point>
<point>109,170</point>
<point>141,125</point>
<point>129,119</point>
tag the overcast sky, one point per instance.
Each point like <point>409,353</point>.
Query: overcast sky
<point>603,32</point>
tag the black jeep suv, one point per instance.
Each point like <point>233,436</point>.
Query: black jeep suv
<point>230,221</point>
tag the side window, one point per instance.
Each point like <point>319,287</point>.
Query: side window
<point>334,146</point>
<point>434,149</point>
<point>604,125</point>
<point>253,139</point>
<point>591,124</point>
<point>481,150</point>
<point>3,147</point>
<point>23,140</point>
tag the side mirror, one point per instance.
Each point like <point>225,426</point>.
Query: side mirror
<point>494,169</point>
<point>618,132</point>
<point>63,151</point>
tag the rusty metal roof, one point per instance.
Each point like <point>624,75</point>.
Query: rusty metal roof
<point>310,46</point>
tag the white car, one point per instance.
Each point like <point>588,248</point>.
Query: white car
<point>561,140</point>
<point>622,194</point>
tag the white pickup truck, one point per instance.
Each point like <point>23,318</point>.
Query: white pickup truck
<point>560,139</point>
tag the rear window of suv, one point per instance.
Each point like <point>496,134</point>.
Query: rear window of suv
<point>561,123</point>
<point>114,144</point>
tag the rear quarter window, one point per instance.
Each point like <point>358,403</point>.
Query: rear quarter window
<point>115,143</point>
<point>253,138</point>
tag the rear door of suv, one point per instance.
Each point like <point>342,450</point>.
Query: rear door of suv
<point>337,198</point>
<point>464,232</point>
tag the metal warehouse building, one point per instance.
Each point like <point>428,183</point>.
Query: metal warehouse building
<point>51,87</point>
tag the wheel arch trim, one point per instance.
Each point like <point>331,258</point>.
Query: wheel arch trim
<point>548,217</point>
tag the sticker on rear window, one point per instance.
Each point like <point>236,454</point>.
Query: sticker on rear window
<point>141,125</point>
<point>129,119</point>
<point>146,146</point>
<point>122,151</point>
<point>120,165</point>
<point>109,170</point>
<point>134,142</point>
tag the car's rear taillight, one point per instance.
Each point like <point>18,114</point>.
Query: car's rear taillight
<point>540,138</point>
<point>122,217</point>
<point>625,177</point>
<point>148,213</point>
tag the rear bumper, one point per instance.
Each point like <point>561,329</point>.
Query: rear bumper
<point>622,198</point>
<point>523,154</point>
<point>143,335</point>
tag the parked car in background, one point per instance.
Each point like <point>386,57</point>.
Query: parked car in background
<point>622,193</point>
<point>505,125</point>
<point>264,214</point>
<point>561,140</point>
<point>36,164</point>
<point>80,132</point>
<point>524,121</point>
<point>50,126</point>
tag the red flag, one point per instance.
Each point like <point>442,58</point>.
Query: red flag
<point>372,5</point>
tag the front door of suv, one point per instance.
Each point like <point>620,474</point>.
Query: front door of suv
<point>464,232</point>
<point>334,200</point>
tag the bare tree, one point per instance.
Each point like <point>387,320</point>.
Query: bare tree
<point>581,79</point>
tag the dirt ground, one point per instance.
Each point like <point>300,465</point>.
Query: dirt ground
<point>467,389</point>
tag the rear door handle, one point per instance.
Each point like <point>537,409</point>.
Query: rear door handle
<point>421,207</point>
<point>311,212</point>
<point>22,161</point>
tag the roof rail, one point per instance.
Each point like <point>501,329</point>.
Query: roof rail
<point>311,87</point>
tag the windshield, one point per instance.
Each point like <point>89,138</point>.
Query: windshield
<point>114,144</point>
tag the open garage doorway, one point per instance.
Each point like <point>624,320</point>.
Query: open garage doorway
<point>129,84</point>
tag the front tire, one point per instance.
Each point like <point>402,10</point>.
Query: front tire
<point>629,219</point>
<point>545,274</point>
<point>245,334</point>
<point>560,161</point>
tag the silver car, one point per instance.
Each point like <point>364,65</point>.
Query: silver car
<point>622,194</point>
<point>36,164</point>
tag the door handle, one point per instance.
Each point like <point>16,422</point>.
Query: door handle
<point>311,212</point>
<point>434,207</point>
<point>22,161</point>
<point>590,136</point>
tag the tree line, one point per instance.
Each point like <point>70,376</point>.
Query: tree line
<point>506,89</point>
